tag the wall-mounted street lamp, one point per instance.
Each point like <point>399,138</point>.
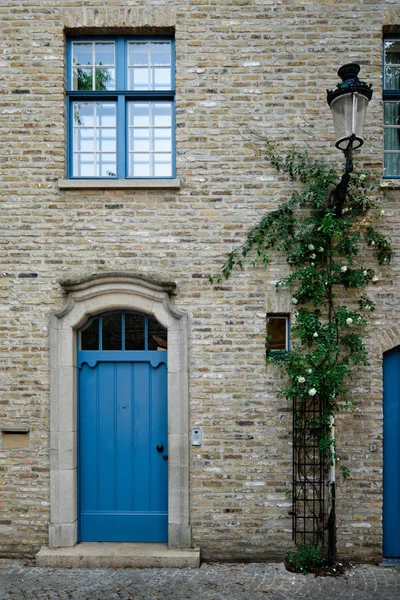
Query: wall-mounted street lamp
<point>348,103</point>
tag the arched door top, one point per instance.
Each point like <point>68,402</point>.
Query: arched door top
<point>122,330</point>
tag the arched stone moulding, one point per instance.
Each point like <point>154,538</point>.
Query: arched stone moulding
<point>86,297</point>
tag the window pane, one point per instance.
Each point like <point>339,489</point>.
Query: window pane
<point>112,331</point>
<point>391,114</point>
<point>105,113</point>
<point>276,332</point>
<point>137,135</point>
<point>106,165</point>
<point>391,167</point>
<point>160,53</point>
<point>83,114</point>
<point>141,158</point>
<point>392,52</point>
<point>134,331</point>
<point>137,168</point>
<point>392,78</point>
<point>391,138</point>
<point>162,115</point>
<point>139,115</point>
<point>161,145</point>
<point>83,140</point>
<point>157,335</point>
<point>162,134</point>
<point>163,170</point>
<point>82,53</point>
<point>138,53</point>
<point>104,53</point>
<point>106,140</point>
<point>84,165</point>
<point>161,78</point>
<point>140,145</point>
<point>138,79</point>
<point>82,79</point>
<point>105,79</point>
<point>162,157</point>
<point>90,336</point>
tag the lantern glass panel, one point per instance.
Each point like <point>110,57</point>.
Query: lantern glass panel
<point>349,111</point>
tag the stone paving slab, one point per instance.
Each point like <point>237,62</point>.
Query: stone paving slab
<point>210,582</point>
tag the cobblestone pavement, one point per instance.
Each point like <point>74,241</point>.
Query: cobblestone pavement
<point>210,582</point>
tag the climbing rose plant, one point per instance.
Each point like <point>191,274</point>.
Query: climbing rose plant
<point>321,229</point>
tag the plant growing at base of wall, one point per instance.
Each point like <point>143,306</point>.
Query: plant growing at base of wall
<point>320,229</point>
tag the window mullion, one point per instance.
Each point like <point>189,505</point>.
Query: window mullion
<point>122,137</point>
<point>93,68</point>
<point>95,137</point>
<point>151,139</point>
<point>120,59</point>
<point>149,65</point>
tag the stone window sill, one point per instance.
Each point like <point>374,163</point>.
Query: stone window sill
<point>135,184</point>
<point>390,184</point>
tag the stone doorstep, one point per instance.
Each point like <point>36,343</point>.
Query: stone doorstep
<point>390,562</point>
<point>105,555</point>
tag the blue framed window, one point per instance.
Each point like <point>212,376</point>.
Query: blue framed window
<point>278,332</point>
<point>121,107</point>
<point>391,106</point>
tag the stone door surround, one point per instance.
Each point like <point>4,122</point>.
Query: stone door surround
<point>86,297</point>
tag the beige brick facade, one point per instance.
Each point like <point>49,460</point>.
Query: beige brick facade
<point>244,69</point>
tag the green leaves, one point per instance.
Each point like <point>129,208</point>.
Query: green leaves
<point>320,229</point>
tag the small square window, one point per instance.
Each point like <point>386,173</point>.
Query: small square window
<point>277,332</point>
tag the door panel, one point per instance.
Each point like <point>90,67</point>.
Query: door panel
<point>391,453</point>
<point>122,419</point>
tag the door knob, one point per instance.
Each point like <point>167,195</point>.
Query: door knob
<point>160,448</point>
<point>165,457</point>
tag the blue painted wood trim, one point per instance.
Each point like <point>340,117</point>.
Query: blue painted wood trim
<point>92,357</point>
<point>391,453</point>
<point>121,138</point>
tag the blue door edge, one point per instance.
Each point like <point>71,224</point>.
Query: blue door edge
<point>391,454</point>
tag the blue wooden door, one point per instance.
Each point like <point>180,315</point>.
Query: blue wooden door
<point>123,468</point>
<point>391,453</point>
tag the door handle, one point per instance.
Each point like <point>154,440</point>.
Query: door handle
<point>160,448</point>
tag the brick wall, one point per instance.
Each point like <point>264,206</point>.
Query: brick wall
<point>244,69</point>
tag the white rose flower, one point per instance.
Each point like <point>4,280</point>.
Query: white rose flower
<point>313,256</point>
<point>301,379</point>
<point>320,249</point>
<point>349,321</point>
<point>311,247</point>
<point>344,269</point>
<point>312,264</point>
<point>312,392</point>
<point>294,301</point>
<point>309,371</point>
<point>315,334</point>
<point>382,212</point>
<point>375,279</point>
<point>345,210</point>
<point>362,177</point>
<point>372,243</point>
<point>365,272</point>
